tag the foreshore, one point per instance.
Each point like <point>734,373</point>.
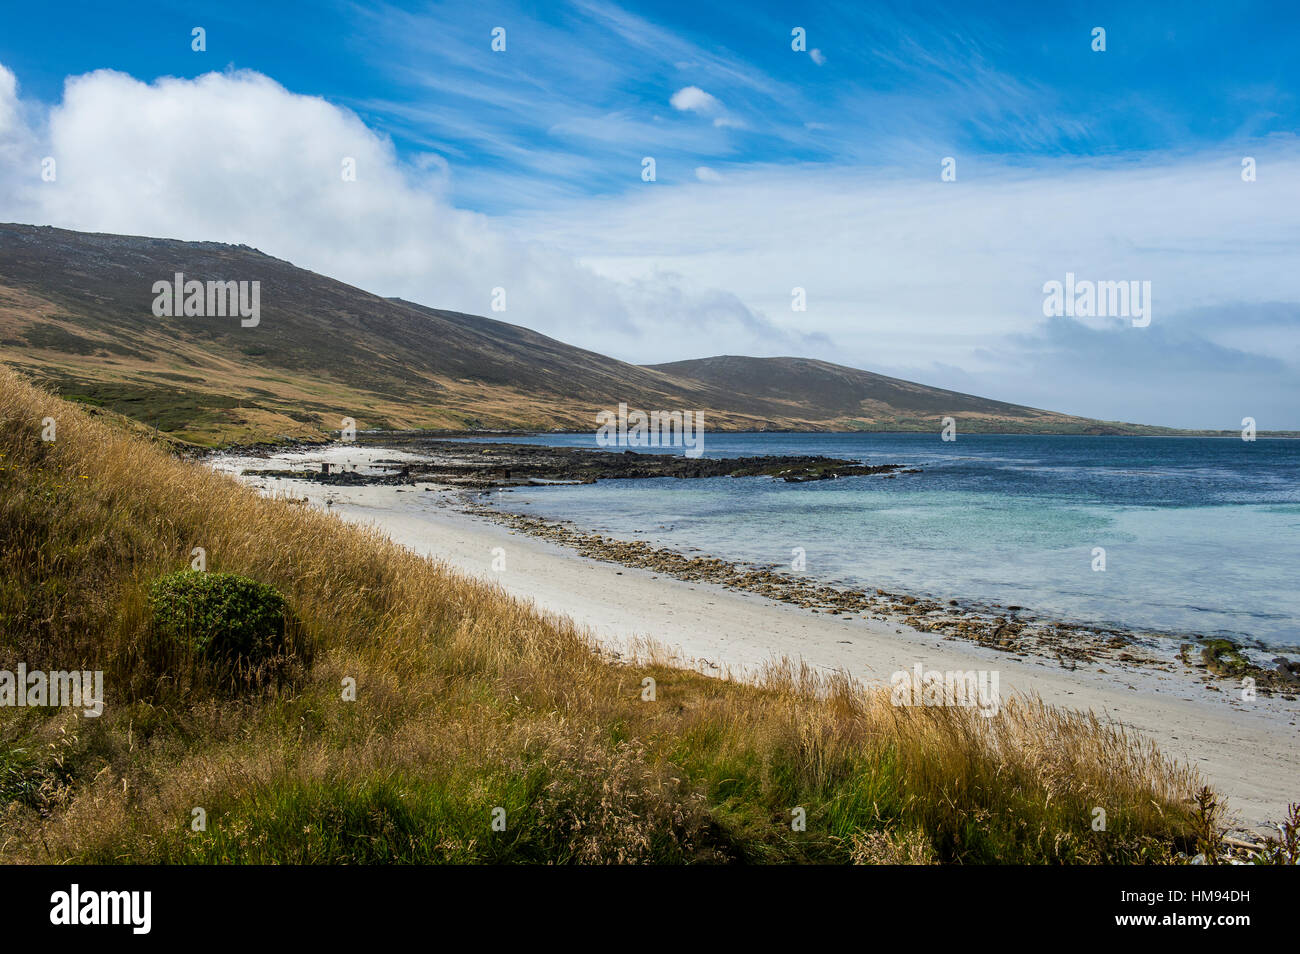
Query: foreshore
<point>731,621</point>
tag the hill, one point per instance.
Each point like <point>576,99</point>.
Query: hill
<point>77,313</point>
<point>862,400</point>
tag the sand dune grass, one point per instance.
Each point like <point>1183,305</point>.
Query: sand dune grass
<point>469,701</point>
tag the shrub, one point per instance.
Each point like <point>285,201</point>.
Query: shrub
<point>225,622</point>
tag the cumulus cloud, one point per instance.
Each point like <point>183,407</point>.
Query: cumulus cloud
<point>235,157</point>
<point>17,148</point>
<point>692,99</point>
<point>8,102</point>
<point>695,100</point>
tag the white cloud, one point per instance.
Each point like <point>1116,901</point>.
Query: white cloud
<point>817,56</point>
<point>234,157</point>
<point>905,272</point>
<point>16,144</point>
<point>693,99</point>
<point>8,102</point>
<point>705,174</point>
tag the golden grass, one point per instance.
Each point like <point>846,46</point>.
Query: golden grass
<point>469,701</point>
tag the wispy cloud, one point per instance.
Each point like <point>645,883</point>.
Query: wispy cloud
<point>903,271</point>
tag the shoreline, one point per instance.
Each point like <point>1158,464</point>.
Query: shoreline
<point>1246,749</point>
<point>1011,629</point>
<point>1008,627</point>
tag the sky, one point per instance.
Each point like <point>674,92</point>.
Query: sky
<point>913,175</point>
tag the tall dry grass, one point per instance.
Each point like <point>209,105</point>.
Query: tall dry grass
<point>470,701</point>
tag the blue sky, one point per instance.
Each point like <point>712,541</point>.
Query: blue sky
<point>774,169</point>
<point>583,90</point>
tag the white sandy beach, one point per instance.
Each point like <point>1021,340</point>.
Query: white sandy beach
<point>1250,751</point>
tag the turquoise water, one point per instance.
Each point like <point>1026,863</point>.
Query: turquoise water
<point>1201,535</point>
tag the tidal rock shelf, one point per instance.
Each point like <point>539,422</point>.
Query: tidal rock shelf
<point>466,464</point>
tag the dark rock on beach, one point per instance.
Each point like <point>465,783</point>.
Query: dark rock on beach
<point>469,464</point>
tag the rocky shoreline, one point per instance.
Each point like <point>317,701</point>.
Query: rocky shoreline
<point>471,468</point>
<point>1217,662</point>
<point>469,464</point>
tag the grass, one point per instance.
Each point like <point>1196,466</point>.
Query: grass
<point>467,701</point>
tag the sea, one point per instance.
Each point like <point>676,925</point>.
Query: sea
<point>1179,536</point>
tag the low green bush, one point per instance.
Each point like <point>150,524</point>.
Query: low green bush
<point>226,621</point>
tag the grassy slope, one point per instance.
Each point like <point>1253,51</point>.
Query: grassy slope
<point>468,700</point>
